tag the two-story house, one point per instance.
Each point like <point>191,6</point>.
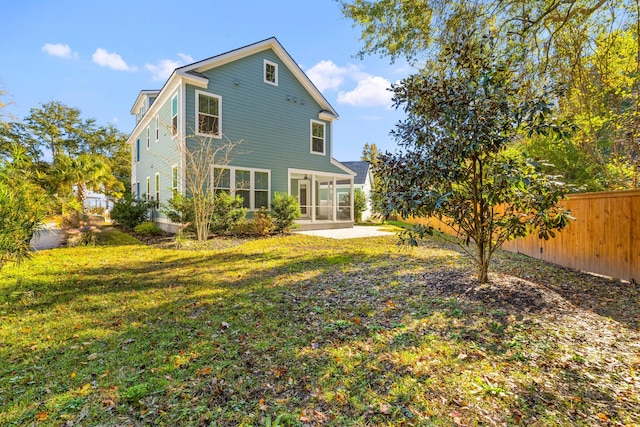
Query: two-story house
<point>257,95</point>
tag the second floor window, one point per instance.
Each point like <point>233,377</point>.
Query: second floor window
<point>208,114</point>
<point>317,137</point>
<point>174,115</point>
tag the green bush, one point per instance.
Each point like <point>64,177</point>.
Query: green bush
<point>262,224</point>
<point>228,213</point>
<point>148,228</point>
<point>285,210</point>
<point>179,209</point>
<point>129,212</point>
<point>23,206</point>
<point>359,204</point>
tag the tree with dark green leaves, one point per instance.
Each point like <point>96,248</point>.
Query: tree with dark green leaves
<point>586,49</point>
<point>23,206</point>
<point>83,154</point>
<point>454,163</point>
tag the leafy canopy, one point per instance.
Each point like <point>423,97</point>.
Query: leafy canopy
<point>454,164</point>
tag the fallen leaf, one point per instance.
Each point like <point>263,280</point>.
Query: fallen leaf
<point>204,371</point>
<point>385,408</point>
<point>92,356</point>
<point>42,416</point>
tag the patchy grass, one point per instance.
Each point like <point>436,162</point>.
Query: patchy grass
<point>309,331</point>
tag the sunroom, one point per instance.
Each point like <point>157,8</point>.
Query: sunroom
<point>326,199</point>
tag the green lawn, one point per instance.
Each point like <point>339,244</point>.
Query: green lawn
<point>311,331</point>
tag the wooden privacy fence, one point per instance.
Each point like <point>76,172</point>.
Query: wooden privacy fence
<point>603,239</point>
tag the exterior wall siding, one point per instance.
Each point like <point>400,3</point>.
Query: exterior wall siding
<point>159,158</point>
<point>273,122</point>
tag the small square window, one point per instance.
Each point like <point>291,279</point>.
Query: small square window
<point>270,72</point>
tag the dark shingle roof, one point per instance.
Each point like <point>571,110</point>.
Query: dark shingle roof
<point>360,168</point>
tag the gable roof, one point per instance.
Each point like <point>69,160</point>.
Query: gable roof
<point>360,168</point>
<point>195,70</point>
<point>192,74</point>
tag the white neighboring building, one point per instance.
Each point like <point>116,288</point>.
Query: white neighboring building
<point>94,199</point>
<point>364,181</point>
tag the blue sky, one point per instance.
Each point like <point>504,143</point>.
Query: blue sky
<point>97,56</point>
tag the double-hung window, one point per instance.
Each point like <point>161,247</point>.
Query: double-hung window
<point>174,115</point>
<point>148,188</point>
<point>222,180</point>
<point>270,72</point>
<point>157,128</point>
<point>209,107</point>
<point>243,186</point>
<point>317,137</point>
<point>260,189</point>
<point>148,137</point>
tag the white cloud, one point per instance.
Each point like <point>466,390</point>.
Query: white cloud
<point>60,50</point>
<point>110,60</point>
<point>161,70</point>
<point>326,75</point>
<point>370,91</point>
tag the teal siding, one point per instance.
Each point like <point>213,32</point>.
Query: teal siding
<point>274,129</point>
<point>160,157</point>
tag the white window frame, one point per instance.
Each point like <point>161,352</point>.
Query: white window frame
<point>324,138</point>
<point>197,126</point>
<point>148,137</point>
<point>174,129</point>
<point>138,150</point>
<point>264,72</point>
<point>156,185</point>
<point>157,127</point>
<point>175,178</point>
<point>252,183</point>
<point>148,188</point>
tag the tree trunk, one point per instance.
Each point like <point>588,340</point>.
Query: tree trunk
<point>482,263</point>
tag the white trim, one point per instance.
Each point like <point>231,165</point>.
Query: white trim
<point>324,137</point>
<point>320,173</point>
<point>252,183</point>
<point>307,202</point>
<point>148,137</point>
<point>175,133</point>
<point>336,163</point>
<point>283,55</point>
<point>264,72</point>
<point>177,187</point>
<point>197,114</point>
<point>148,187</point>
<point>157,120</point>
<point>168,90</point>
<point>156,187</point>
